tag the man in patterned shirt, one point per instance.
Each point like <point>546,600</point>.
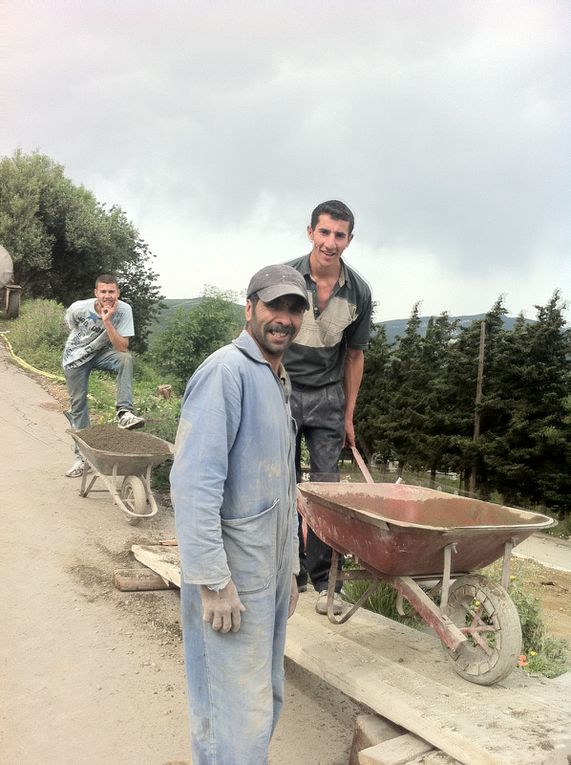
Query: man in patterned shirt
<point>325,365</point>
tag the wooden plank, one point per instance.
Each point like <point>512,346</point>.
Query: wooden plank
<point>396,751</point>
<point>363,676</point>
<point>404,676</point>
<point>370,730</point>
<point>136,580</point>
<point>434,758</point>
<point>474,724</point>
<point>162,559</point>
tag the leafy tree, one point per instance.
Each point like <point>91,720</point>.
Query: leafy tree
<point>527,451</point>
<point>463,374</point>
<point>404,422</point>
<point>60,238</point>
<point>372,404</point>
<point>435,380</point>
<point>192,335</point>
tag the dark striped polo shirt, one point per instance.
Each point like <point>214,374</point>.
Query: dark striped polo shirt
<point>317,355</point>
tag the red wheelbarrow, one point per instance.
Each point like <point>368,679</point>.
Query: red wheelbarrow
<point>409,535</point>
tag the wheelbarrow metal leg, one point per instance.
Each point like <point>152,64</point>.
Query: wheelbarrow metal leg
<point>448,550</point>
<point>334,577</point>
<point>88,470</point>
<point>510,544</point>
<point>428,610</point>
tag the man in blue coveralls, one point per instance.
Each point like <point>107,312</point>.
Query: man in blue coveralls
<point>233,489</point>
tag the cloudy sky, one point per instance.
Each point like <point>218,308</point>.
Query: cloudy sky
<point>218,126</point>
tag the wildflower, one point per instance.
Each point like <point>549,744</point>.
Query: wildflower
<point>522,660</point>
<point>533,653</point>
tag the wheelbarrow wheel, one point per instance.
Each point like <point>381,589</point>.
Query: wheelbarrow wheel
<point>486,614</point>
<point>134,498</point>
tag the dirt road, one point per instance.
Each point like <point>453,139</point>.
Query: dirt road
<point>88,674</point>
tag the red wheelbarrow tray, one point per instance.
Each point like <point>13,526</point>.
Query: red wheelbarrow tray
<point>402,530</point>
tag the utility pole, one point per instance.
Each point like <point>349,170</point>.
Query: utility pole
<point>479,386</point>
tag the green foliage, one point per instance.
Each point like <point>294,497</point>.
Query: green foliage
<point>192,335</point>
<point>39,334</point>
<point>546,655</point>
<point>61,238</point>
<point>563,528</point>
<point>416,406</point>
<point>382,601</point>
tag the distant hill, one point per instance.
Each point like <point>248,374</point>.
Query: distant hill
<point>397,327</point>
<point>187,304</point>
<point>393,327</point>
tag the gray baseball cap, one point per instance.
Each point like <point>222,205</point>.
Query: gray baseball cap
<point>272,282</point>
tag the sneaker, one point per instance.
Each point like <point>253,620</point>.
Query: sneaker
<point>76,469</point>
<point>321,604</point>
<point>129,421</point>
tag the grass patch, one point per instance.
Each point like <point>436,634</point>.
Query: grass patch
<point>546,655</point>
<point>39,334</point>
<point>383,600</point>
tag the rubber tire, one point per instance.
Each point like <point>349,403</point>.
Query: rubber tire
<point>470,661</point>
<point>134,497</point>
<point>13,307</point>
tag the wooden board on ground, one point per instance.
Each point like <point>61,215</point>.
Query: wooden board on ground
<point>395,751</point>
<point>403,675</point>
<point>160,558</point>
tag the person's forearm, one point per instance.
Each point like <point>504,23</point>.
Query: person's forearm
<point>119,342</point>
<point>354,366</point>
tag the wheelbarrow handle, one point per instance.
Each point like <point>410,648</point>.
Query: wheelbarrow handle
<point>362,467</point>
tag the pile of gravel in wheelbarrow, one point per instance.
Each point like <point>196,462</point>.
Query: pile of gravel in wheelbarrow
<point>110,438</point>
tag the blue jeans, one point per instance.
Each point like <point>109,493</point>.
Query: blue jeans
<point>236,680</point>
<point>320,417</point>
<point>77,380</point>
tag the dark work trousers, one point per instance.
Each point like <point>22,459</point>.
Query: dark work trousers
<point>320,417</point>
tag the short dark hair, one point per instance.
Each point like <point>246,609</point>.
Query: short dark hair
<point>106,279</point>
<point>336,209</point>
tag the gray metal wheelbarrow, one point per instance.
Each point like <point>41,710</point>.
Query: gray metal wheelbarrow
<point>133,494</point>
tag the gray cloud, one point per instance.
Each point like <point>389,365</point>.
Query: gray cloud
<point>445,126</point>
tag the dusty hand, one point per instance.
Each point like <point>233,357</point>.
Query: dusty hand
<point>293,597</point>
<point>222,609</point>
<point>349,433</point>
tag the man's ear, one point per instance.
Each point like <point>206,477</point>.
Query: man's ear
<point>248,309</point>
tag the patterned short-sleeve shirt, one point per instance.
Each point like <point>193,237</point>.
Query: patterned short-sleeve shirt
<point>317,355</point>
<point>88,336</point>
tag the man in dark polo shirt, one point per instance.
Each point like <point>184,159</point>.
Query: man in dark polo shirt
<point>325,365</point>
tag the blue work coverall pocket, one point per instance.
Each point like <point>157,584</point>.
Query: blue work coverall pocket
<point>250,545</point>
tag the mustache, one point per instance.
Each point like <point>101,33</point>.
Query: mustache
<point>280,328</point>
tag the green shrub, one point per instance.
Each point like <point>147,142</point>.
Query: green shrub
<point>545,655</point>
<point>39,334</point>
<point>192,335</point>
<point>382,601</point>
